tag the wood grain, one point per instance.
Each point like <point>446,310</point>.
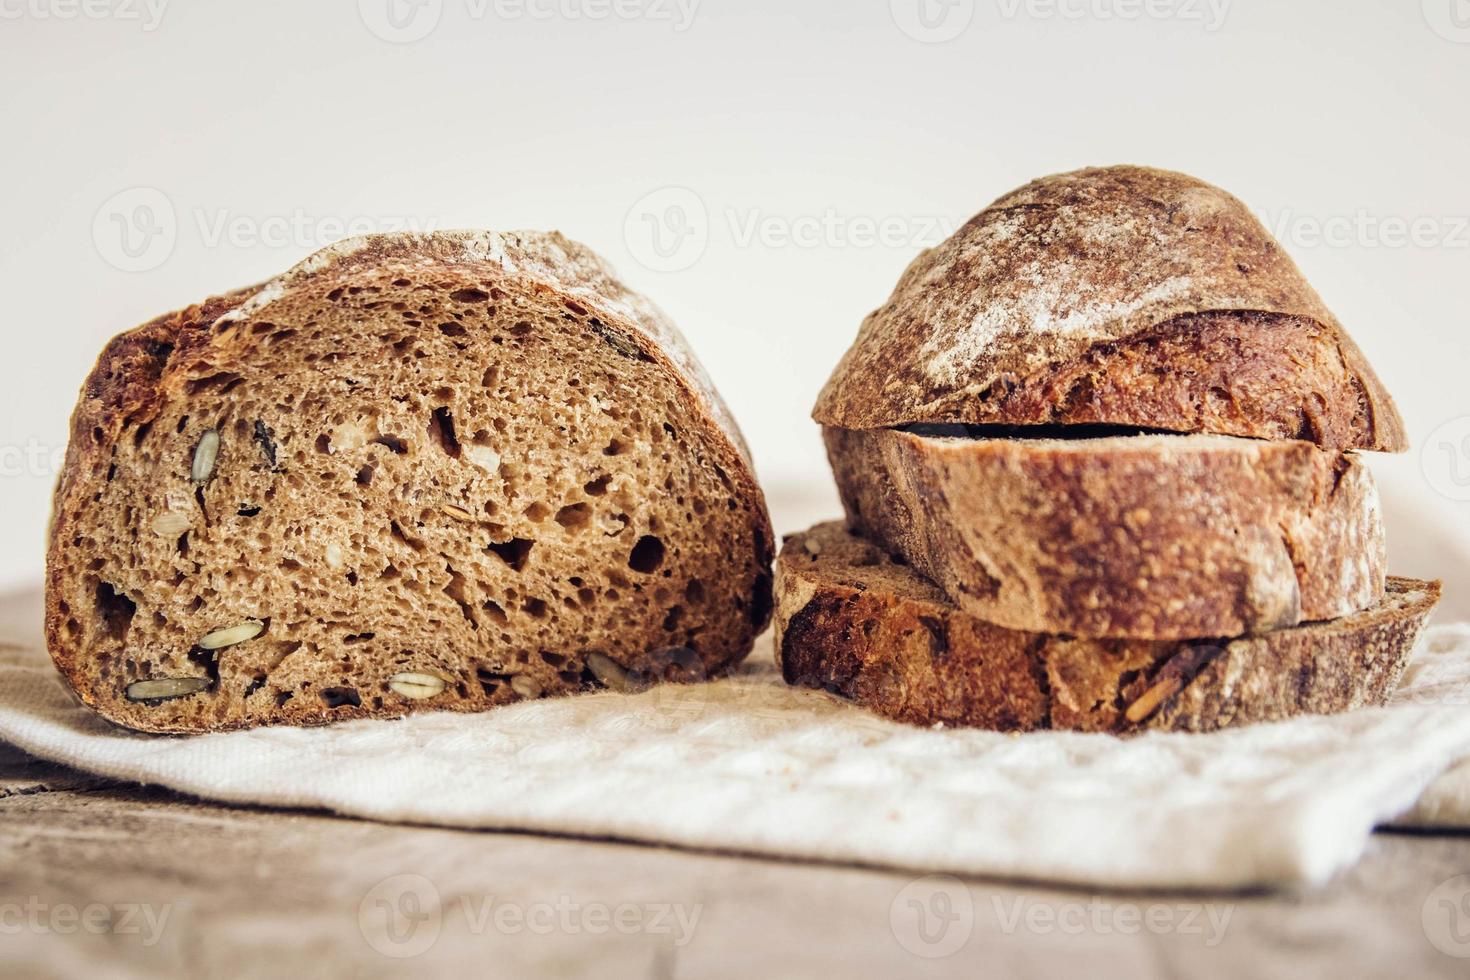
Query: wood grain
<point>252,892</point>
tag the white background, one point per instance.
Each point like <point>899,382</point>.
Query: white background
<point>779,134</point>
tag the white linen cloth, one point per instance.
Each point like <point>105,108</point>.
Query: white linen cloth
<point>748,764</point>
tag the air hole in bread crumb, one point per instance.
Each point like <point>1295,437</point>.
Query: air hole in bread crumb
<point>514,552</point>
<point>392,443</point>
<point>224,381</point>
<point>469,296</point>
<point>574,517</point>
<point>441,432</point>
<point>536,513</point>
<point>597,487</point>
<point>341,697</point>
<point>495,612</point>
<point>458,590</point>
<point>535,608</point>
<point>397,532</point>
<point>115,611</point>
<point>647,556</point>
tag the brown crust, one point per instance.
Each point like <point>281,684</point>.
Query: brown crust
<point>1118,295</point>
<point>852,621</point>
<point>142,368</point>
<point>1145,536</point>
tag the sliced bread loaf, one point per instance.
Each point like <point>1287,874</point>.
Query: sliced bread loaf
<point>851,620</point>
<point>1148,536</point>
<point>1120,296</point>
<point>416,472</point>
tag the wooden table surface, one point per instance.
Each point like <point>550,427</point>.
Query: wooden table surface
<point>99,879</point>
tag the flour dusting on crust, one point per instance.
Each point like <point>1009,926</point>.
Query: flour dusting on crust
<point>1051,272</point>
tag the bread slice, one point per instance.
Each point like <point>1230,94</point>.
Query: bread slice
<point>1149,536</point>
<point>431,472</point>
<point>1118,296</point>
<point>851,620</point>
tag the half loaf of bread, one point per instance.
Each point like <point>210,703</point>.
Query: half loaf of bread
<point>417,472</point>
<point>851,620</point>
<point>1148,536</point>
